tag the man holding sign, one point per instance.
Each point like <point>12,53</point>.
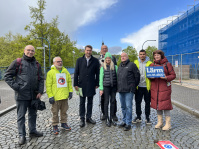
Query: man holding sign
<point>59,90</point>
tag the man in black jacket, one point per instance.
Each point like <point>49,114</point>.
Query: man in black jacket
<point>86,76</point>
<point>128,78</point>
<point>26,79</point>
<point>103,51</point>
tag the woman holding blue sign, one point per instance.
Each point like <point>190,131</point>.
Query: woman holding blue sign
<point>161,90</point>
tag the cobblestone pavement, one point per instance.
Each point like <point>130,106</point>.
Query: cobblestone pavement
<point>184,133</point>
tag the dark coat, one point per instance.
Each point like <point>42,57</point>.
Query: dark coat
<point>87,77</point>
<point>128,77</point>
<point>25,82</point>
<point>160,88</point>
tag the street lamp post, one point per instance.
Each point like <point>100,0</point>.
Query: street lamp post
<point>49,47</point>
<point>73,58</point>
<point>145,42</point>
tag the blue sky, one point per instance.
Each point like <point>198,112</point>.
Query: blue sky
<point>118,22</point>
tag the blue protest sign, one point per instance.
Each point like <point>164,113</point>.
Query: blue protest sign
<point>154,72</point>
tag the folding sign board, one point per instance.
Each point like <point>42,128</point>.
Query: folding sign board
<point>154,72</point>
<point>166,145</point>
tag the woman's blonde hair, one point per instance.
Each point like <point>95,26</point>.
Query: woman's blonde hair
<point>112,67</point>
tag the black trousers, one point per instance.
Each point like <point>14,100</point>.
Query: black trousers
<point>142,91</point>
<point>22,106</point>
<point>102,105</point>
<point>109,96</point>
<point>82,107</point>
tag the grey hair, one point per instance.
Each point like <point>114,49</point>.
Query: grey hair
<point>55,58</point>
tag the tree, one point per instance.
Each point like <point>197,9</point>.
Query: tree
<point>95,53</point>
<point>59,41</point>
<point>11,48</point>
<point>149,51</point>
<point>119,60</point>
<point>131,52</point>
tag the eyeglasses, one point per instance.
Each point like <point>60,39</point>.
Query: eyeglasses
<point>29,50</point>
<point>59,61</point>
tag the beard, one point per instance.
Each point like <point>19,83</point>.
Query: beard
<point>59,67</point>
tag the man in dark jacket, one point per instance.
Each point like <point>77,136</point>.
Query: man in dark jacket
<point>128,78</point>
<point>26,79</point>
<point>86,77</point>
<point>103,51</point>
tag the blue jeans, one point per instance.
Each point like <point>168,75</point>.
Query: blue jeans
<point>126,100</point>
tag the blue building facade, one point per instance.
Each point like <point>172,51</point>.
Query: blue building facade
<point>180,39</point>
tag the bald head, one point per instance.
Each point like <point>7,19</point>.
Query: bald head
<point>29,51</point>
<point>104,49</point>
<point>124,57</point>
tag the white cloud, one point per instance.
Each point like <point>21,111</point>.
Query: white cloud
<point>72,13</point>
<point>148,32</point>
<point>79,46</point>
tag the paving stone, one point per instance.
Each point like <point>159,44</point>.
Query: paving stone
<point>185,132</point>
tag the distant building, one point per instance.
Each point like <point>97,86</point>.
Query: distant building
<point>180,41</point>
<point>181,35</point>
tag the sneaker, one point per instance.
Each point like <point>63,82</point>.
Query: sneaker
<point>55,130</point>
<point>148,122</point>
<point>65,126</point>
<point>136,120</point>
<point>127,127</point>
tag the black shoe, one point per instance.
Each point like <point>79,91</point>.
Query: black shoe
<point>127,127</point>
<point>36,134</point>
<point>22,140</point>
<point>148,122</point>
<point>108,123</point>
<point>114,122</point>
<point>82,123</point>
<point>115,118</point>
<point>122,125</point>
<point>103,117</point>
<point>89,120</point>
<point>137,120</point>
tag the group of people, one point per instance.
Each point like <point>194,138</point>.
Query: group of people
<point>26,79</point>
<point>127,79</point>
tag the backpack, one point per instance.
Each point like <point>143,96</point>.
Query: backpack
<point>19,67</point>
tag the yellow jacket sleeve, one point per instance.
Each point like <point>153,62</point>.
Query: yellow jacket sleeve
<point>69,82</point>
<point>49,83</point>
